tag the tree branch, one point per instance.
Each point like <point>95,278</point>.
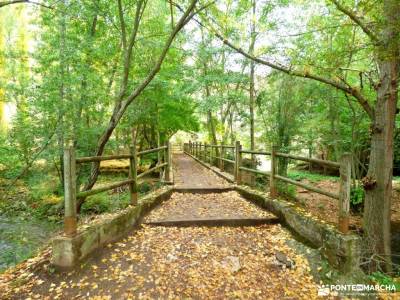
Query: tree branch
<point>305,74</point>
<point>356,20</point>
<point>5,3</point>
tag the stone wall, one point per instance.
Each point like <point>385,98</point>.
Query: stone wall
<point>343,251</point>
<point>69,251</point>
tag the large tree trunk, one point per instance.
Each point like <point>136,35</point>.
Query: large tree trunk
<point>252,89</point>
<point>378,183</point>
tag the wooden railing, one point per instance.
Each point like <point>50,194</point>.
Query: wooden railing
<point>208,154</point>
<point>71,191</point>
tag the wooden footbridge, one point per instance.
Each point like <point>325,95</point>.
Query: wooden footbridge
<point>203,221</point>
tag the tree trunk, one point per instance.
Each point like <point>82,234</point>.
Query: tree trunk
<point>60,112</point>
<point>378,183</point>
<point>252,89</point>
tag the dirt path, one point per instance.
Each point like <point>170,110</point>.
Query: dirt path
<point>190,174</point>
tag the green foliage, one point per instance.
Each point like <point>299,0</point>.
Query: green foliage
<point>104,202</point>
<point>286,190</point>
<point>144,188</point>
<point>357,196</point>
<point>384,279</point>
<point>313,177</point>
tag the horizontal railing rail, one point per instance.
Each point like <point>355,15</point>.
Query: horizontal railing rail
<point>151,150</point>
<point>311,160</point>
<point>88,159</point>
<point>255,152</point>
<point>216,155</point>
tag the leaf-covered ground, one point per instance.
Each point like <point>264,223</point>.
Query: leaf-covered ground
<point>175,263</point>
<point>190,174</point>
<point>214,205</point>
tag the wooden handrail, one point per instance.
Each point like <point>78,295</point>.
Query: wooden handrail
<point>307,159</point>
<point>152,170</point>
<point>228,160</point>
<point>87,159</point>
<point>307,187</point>
<point>254,171</point>
<point>103,188</point>
<point>151,150</point>
<point>255,152</point>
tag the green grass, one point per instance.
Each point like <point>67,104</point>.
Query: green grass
<point>314,177</point>
<point>384,279</point>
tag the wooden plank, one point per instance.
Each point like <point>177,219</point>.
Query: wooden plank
<point>133,187</point>
<point>214,222</point>
<point>151,170</point>
<point>256,152</point>
<point>168,160</point>
<point>312,160</point>
<point>104,188</point>
<point>207,190</point>
<point>87,159</point>
<point>344,193</point>
<point>228,160</point>
<point>307,187</point>
<point>255,171</point>
<point>238,162</point>
<point>221,157</point>
<point>151,150</point>
<point>272,187</point>
<point>70,211</point>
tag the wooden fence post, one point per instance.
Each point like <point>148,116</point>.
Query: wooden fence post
<point>272,184</point>
<point>200,151</point>
<point>133,187</point>
<point>238,163</point>
<point>190,147</point>
<point>221,156</point>
<point>168,160</point>
<point>70,212</point>
<point>344,193</point>
<point>205,152</point>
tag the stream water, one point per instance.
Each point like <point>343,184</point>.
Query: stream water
<point>21,238</point>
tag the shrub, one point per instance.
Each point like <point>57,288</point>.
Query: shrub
<point>286,190</point>
<point>357,195</point>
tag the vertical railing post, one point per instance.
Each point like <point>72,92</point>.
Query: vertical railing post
<point>238,163</point>
<point>344,193</point>
<point>205,152</point>
<point>190,147</point>
<point>133,187</point>
<point>221,156</point>
<point>168,160</point>
<point>272,183</point>
<point>70,212</point>
<point>200,151</point>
